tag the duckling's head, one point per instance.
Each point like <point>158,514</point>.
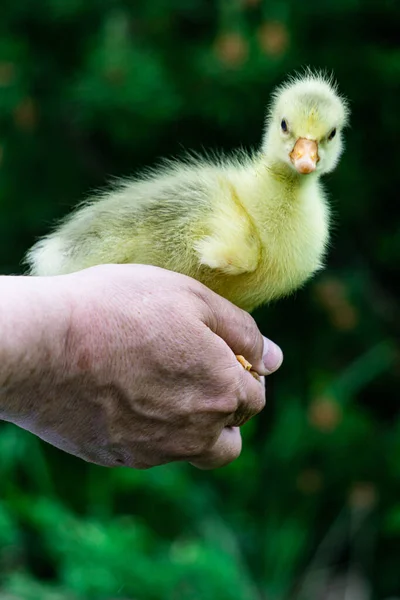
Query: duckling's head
<point>305,124</point>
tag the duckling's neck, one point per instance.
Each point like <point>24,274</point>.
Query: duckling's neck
<point>272,169</point>
<point>277,189</point>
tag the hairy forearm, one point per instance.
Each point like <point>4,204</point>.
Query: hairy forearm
<point>33,325</point>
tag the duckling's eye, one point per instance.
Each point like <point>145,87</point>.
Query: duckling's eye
<point>284,126</point>
<point>332,134</point>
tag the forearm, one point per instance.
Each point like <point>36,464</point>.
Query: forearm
<point>33,326</point>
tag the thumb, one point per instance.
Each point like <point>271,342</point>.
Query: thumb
<point>239,331</point>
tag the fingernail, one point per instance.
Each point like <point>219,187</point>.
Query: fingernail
<point>272,356</point>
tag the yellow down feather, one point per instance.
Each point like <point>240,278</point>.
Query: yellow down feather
<point>250,227</point>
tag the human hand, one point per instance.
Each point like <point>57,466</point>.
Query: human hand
<point>146,372</point>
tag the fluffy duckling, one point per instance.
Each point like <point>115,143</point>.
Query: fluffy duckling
<point>252,227</point>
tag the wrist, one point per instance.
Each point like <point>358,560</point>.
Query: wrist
<point>34,322</point>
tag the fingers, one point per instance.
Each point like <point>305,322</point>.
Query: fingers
<point>225,450</point>
<point>240,332</point>
<point>251,399</point>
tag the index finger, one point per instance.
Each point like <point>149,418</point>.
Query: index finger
<point>240,332</point>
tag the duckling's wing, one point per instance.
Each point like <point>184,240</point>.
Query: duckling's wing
<point>233,246</point>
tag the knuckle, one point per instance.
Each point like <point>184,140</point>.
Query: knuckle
<point>192,447</point>
<point>252,335</point>
<point>251,404</point>
<point>250,323</point>
<point>258,400</point>
<point>228,403</point>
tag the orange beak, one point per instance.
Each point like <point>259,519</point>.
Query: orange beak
<point>304,155</point>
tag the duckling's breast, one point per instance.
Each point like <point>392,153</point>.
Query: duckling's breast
<point>293,244</point>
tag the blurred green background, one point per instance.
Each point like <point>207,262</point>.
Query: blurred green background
<point>311,510</point>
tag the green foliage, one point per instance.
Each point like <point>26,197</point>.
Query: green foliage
<point>99,89</point>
